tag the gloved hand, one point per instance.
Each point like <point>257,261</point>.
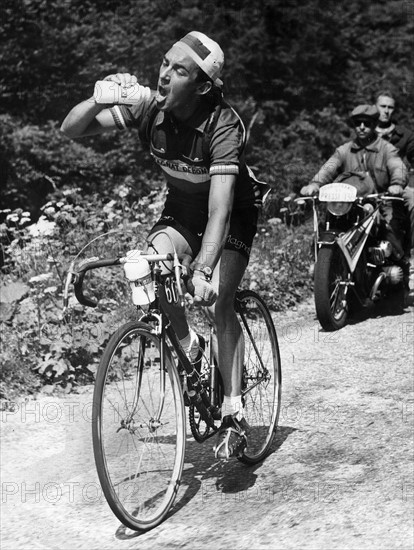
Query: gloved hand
<point>204,293</point>
<point>123,79</point>
<point>309,190</point>
<point>396,190</point>
<point>186,260</point>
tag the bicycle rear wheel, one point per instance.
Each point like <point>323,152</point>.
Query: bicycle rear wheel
<point>262,375</point>
<point>138,427</point>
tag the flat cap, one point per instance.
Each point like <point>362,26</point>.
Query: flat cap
<point>364,111</point>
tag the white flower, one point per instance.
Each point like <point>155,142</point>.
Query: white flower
<point>42,227</point>
<point>108,207</point>
<point>123,191</point>
<point>40,278</point>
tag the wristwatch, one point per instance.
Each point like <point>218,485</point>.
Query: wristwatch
<point>204,269</point>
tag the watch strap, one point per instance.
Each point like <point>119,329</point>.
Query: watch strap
<point>204,269</point>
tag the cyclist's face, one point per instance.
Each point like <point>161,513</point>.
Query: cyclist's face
<point>177,89</point>
<point>385,106</point>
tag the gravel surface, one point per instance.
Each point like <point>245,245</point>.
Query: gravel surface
<point>340,475</point>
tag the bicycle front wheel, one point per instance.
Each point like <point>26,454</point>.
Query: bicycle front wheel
<point>262,375</point>
<point>138,427</point>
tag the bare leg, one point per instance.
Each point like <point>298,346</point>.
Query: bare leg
<point>231,437</point>
<point>226,278</point>
<point>161,242</point>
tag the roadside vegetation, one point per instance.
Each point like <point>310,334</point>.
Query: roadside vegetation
<point>293,71</point>
<point>43,347</point>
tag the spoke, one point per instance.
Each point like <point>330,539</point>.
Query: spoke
<point>139,436</point>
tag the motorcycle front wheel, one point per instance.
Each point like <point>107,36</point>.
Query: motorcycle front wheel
<point>331,288</point>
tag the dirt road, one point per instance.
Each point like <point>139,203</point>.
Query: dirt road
<point>340,475</point>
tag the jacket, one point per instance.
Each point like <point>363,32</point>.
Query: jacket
<point>380,159</point>
<point>403,139</point>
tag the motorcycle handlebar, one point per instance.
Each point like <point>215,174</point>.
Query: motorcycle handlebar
<point>381,196</point>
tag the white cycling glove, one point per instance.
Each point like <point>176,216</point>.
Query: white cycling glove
<point>204,293</point>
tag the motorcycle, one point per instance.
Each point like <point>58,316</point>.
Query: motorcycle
<point>357,256</point>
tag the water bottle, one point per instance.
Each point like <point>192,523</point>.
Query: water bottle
<point>138,272</point>
<point>110,92</point>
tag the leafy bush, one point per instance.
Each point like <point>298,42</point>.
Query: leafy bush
<point>39,161</point>
<point>279,264</point>
<point>36,337</point>
<point>293,71</point>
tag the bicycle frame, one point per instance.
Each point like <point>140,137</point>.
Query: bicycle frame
<point>207,405</point>
<point>162,326</point>
<point>141,443</point>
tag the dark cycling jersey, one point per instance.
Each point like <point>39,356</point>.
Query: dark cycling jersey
<point>177,147</point>
<point>179,150</point>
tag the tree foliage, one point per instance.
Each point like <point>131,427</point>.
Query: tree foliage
<point>297,54</point>
<point>294,69</point>
<point>299,65</point>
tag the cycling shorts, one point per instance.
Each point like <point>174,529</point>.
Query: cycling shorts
<point>191,225</point>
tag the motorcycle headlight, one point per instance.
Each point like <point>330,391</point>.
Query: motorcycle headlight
<point>339,208</point>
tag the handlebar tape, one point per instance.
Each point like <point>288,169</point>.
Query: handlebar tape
<point>78,285</point>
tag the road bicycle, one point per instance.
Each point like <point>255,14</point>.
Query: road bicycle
<point>139,419</point>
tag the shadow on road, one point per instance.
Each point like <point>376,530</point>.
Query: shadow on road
<point>391,306</point>
<point>203,474</point>
<point>228,476</point>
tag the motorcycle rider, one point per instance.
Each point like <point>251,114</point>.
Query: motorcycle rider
<point>403,139</point>
<point>377,163</point>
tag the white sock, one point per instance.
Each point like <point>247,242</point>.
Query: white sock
<point>232,405</point>
<point>190,345</point>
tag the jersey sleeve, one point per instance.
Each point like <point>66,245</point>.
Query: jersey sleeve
<point>227,144</point>
<point>132,116</point>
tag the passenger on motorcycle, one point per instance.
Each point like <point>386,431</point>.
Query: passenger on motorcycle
<point>403,139</point>
<point>372,161</point>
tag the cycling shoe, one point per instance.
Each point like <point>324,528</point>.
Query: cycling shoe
<point>231,437</point>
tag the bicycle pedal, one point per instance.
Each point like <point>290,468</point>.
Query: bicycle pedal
<point>216,413</point>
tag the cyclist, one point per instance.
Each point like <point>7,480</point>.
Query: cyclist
<point>212,203</point>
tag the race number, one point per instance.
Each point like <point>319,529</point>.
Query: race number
<point>171,292</point>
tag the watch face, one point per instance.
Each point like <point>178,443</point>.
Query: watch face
<point>204,269</point>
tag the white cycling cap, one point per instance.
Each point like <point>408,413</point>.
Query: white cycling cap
<point>205,52</point>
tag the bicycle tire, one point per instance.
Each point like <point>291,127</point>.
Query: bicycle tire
<point>262,375</point>
<point>138,438</point>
